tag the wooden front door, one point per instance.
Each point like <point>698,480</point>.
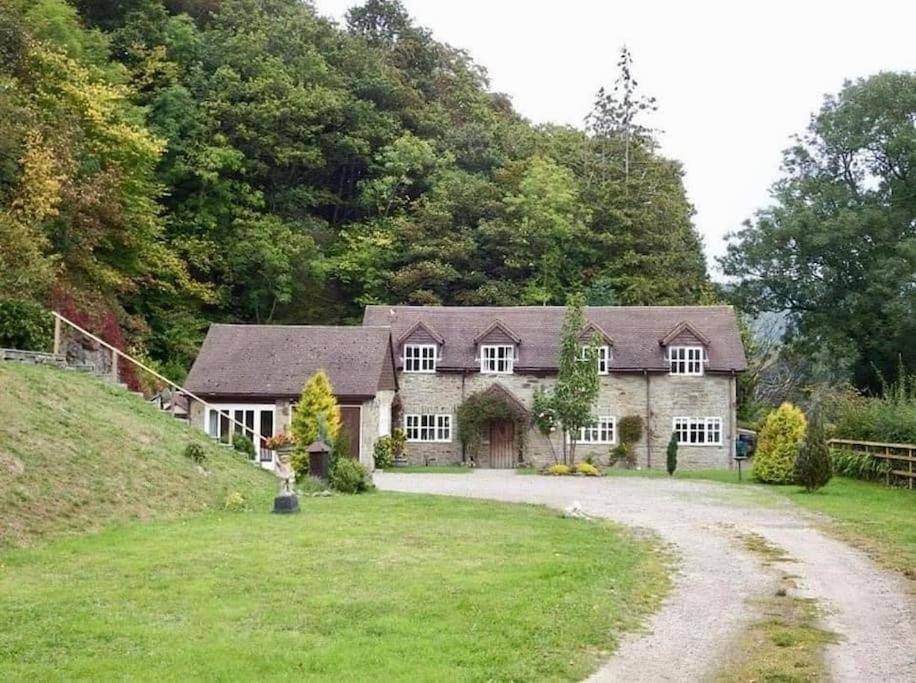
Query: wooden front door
<point>502,445</point>
<point>349,430</point>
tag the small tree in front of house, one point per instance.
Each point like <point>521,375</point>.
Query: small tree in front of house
<point>672,454</point>
<point>576,390</point>
<point>317,409</point>
<point>777,445</point>
<point>813,468</point>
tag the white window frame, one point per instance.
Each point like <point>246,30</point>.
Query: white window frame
<point>428,427</point>
<point>697,431</point>
<point>213,423</point>
<point>604,358</point>
<point>602,433</point>
<point>490,366</point>
<point>425,359</point>
<point>686,360</point>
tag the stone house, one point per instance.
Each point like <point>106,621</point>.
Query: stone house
<point>255,373</point>
<point>675,367</point>
<point>413,366</point>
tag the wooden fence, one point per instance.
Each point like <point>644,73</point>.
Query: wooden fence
<point>901,457</point>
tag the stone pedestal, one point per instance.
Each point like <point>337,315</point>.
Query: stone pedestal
<point>285,504</point>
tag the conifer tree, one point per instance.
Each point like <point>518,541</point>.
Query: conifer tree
<point>316,409</point>
<point>813,468</point>
<point>672,454</point>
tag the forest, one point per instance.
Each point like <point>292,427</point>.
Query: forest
<point>168,164</point>
<point>165,164</point>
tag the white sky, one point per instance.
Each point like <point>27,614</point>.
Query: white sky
<point>733,81</point>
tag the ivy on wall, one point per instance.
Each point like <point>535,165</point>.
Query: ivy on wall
<point>480,409</point>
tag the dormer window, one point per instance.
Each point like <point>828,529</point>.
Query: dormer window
<point>604,358</point>
<point>686,360</point>
<point>497,359</point>
<point>420,357</point>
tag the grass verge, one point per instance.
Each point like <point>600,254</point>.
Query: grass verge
<point>382,585</point>
<point>77,455</point>
<point>430,469</point>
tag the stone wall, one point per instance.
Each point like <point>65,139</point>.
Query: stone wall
<point>620,395</point>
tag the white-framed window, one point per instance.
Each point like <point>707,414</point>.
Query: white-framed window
<point>603,431</point>
<point>698,431</point>
<point>497,359</point>
<point>604,358</point>
<point>686,360</point>
<point>223,421</point>
<point>420,357</point>
<point>428,427</point>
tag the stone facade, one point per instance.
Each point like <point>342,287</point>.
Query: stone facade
<point>658,398</point>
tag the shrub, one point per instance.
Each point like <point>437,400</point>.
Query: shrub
<point>348,476</point>
<point>243,444</point>
<point>890,418</point>
<point>672,454</point>
<point>587,469</point>
<point>384,453</point>
<point>557,470</point>
<point>778,443</point>
<point>195,452</point>
<point>630,428</point>
<point>317,406</point>
<point>812,465</point>
<point>235,502</point>
<point>299,463</point>
<point>25,325</point>
<point>623,453</point>
<point>858,465</point>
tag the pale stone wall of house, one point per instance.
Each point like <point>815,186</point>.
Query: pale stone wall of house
<point>619,395</point>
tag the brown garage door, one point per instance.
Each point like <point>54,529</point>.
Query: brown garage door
<point>349,429</point>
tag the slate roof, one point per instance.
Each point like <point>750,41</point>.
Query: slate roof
<point>264,361</point>
<point>635,330</point>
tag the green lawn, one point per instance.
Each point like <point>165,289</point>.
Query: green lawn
<point>430,469</point>
<point>382,585</point>
<point>875,517</point>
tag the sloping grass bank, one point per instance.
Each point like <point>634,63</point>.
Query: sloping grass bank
<point>78,455</point>
<point>383,586</point>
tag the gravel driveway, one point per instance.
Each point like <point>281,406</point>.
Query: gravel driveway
<point>689,638</point>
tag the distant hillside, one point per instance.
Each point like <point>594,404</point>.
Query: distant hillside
<point>77,455</point>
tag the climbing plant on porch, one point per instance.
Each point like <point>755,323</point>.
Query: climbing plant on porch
<point>479,410</point>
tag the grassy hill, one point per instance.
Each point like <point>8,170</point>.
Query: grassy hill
<point>79,455</point>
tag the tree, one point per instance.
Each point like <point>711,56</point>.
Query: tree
<point>672,454</point>
<point>836,251</point>
<point>576,388</point>
<point>777,445</point>
<point>316,408</point>
<point>813,468</point>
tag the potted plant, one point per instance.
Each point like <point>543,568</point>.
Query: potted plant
<point>282,443</point>
<point>398,443</point>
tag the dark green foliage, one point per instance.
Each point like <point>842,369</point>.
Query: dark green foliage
<point>243,445</point>
<point>195,453</point>
<point>25,325</point>
<point>671,454</point>
<point>858,465</point>
<point>349,476</point>
<point>890,418</point>
<point>812,464</point>
<point>263,164</point>
<point>837,247</point>
<point>630,432</point>
<point>630,427</point>
<point>478,411</point>
<point>388,448</point>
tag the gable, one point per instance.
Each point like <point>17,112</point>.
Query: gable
<point>684,334</point>
<point>497,333</point>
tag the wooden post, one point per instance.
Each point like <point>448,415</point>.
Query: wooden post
<point>114,366</point>
<point>57,331</point>
<point>887,472</point>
